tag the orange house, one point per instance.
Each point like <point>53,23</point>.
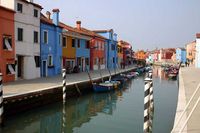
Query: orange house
<point>7,44</point>
<point>140,55</point>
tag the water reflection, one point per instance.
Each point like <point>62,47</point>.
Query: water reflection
<point>75,112</point>
<point>115,112</point>
<point>82,110</point>
<point>158,72</point>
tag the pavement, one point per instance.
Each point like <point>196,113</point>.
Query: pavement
<point>28,86</point>
<point>189,79</point>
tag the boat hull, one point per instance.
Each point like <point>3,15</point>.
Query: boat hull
<point>102,88</point>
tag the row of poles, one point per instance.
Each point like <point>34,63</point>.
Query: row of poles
<point>148,103</point>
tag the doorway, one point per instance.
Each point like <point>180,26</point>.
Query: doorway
<point>44,68</point>
<point>20,66</point>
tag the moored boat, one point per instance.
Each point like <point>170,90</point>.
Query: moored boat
<point>103,87</point>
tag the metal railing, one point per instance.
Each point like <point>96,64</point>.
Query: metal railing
<point>184,111</point>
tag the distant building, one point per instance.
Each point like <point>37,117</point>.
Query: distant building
<point>181,55</point>
<point>120,54</point>
<point>51,42</point>
<point>140,55</point>
<point>7,43</point>
<point>27,37</point>
<point>165,55</point>
<point>111,47</point>
<point>191,51</point>
<point>197,57</point>
<point>126,52</point>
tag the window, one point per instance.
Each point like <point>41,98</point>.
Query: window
<point>10,69</point>
<point>64,41</point>
<point>87,45</point>
<point>45,37</point>
<point>50,60</point>
<point>19,7</point>
<point>96,61</point>
<point>60,39</point>
<point>7,43</point>
<point>78,61</point>
<point>20,34</point>
<point>113,47</point>
<point>35,38</point>
<point>113,59</point>
<point>35,13</point>
<point>96,45</point>
<point>78,45</point>
<point>37,61</point>
<point>87,61</point>
<point>73,43</point>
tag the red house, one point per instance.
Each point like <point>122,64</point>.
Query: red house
<point>7,43</point>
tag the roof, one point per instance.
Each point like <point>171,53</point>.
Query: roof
<point>198,35</point>
<point>181,48</point>
<point>82,31</point>
<point>44,19</point>
<point>7,9</point>
<point>102,31</point>
<point>34,4</point>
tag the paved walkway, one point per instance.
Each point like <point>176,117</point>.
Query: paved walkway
<point>34,85</point>
<point>189,79</point>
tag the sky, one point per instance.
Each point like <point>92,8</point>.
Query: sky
<point>146,24</point>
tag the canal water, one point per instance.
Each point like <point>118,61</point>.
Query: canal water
<point>120,111</point>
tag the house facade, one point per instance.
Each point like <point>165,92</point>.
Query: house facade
<point>191,51</point>
<point>140,55</point>
<point>165,55</point>
<point>111,47</point>
<point>51,44</point>
<point>7,43</point>
<point>76,50</point>
<point>27,34</point>
<point>181,55</point>
<point>197,57</point>
<point>97,52</point>
<point>119,54</point>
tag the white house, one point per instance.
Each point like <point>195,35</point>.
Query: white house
<point>27,37</point>
<point>197,56</point>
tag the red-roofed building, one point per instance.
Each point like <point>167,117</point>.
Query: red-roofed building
<point>7,43</point>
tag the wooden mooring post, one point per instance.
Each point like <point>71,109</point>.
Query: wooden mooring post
<point>64,84</point>
<point>1,99</point>
<point>148,103</point>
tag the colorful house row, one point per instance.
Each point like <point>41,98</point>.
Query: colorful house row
<point>167,55</point>
<point>197,56</point>
<point>125,53</point>
<point>40,45</point>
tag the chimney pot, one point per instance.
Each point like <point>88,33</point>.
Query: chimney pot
<point>78,25</point>
<point>48,14</point>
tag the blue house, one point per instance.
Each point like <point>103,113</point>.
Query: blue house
<point>181,55</point>
<point>111,47</point>
<point>50,47</point>
<point>82,47</point>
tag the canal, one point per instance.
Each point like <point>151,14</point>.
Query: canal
<point>119,111</point>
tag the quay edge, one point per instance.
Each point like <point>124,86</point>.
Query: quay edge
<point>14,104</point>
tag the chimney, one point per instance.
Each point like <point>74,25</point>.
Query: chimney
<point>30,1</point>
<point>48,15</point>
<point>56,16</point>
<point>78,25</point>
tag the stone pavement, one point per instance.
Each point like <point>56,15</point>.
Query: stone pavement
<point>189,78</point>
<point>34,85</point>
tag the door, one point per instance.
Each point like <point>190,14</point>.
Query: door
<point>82,64</point>
<point>19,66</point>
<point>44,68</point>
